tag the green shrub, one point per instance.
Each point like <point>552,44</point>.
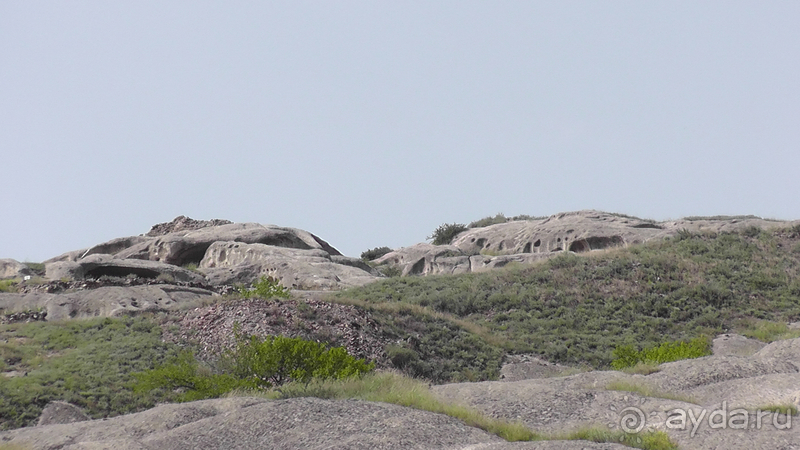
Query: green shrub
<point>488,220</point>
<point>277,360</point>
<point>445,233</point>
<point>266,287</point>
<point>188,379</point>
<point>375,253</point>
<point>36,268</point>
<point>254,364</point>
<point>626,356</point>
<point>8,286</point>
<point>390,271</point>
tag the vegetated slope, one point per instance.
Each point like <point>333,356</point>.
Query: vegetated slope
<point>85,362</point>
<point>577,309</point>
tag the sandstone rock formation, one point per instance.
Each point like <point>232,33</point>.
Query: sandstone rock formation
<point>10,268</point>
<point>60,413</point>
<point>299,423</point>
<point>106,301</point>
<point>227,262</point>
<point>225,252</point>
<point>98,265</point>
<point>526,241</point>
<point>771,376</point>
<point>183,223</point>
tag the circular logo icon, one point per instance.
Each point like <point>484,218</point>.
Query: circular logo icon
<point>632,420</point>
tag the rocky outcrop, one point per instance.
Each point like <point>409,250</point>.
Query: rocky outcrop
<point>61,413</point>
<point>183,223</point>
<point>298,423</point>
<point>107,301</point>
<point>10,268</point>
<point>527,241</point>
<point>100,265</point>
<point>768,377</point>
<point>185,247</point>
<point>227,253</point>
<point>307,269</point>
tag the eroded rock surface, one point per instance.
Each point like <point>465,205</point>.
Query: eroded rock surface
<point>227,253</point>
<point>308,269</point>
<point>106,301</point>
<point>527,241</point>
<point>10,268</point>
<point>299,423</point>
<point>720,383</point>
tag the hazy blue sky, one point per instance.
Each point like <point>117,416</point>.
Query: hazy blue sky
<point>371,123</point>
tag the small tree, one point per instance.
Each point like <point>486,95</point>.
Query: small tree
<point>446,233</point>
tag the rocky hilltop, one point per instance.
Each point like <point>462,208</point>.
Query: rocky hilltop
<point>181,269</point>
<point>526,241</point>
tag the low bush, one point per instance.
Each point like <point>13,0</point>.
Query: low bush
<point>8,286</point>
<point>266,288</point>
<point>375,253</point>
<point>445,233</point>
<point>627,356</point>
<point>766,331</point>
<point>254,364</point>
<point>277,360</point>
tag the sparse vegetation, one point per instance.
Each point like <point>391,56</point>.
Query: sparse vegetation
<point>767,331</point>
<point>577,309</point>
<point>400,390</point>
<point>445,233</point>
<point>375,253</point>
<point>266,288</point>
<point>626,356</point>
<point>37,268</point>
<point>648,440</point>
<point>646,390</point>
<point>501,218</point>
<point>8,285</point>
<point>85,362</point>
<point>255,364</point>
<point>787,408</point>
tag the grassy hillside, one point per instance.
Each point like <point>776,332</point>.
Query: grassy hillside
<point>85,362</point>
<point>570,309</point>
<point>577,309</point>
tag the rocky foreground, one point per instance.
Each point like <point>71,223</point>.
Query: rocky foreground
<point>713,402</point>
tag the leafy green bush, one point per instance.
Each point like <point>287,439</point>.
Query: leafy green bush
<point>277,360</point>
<point>445,233</point>
<point>375,253</point>
<point>266,287</point>
<point>254,364</point>
<point>186,378</point>
<point>390,271</point>
<point>626,356</point>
